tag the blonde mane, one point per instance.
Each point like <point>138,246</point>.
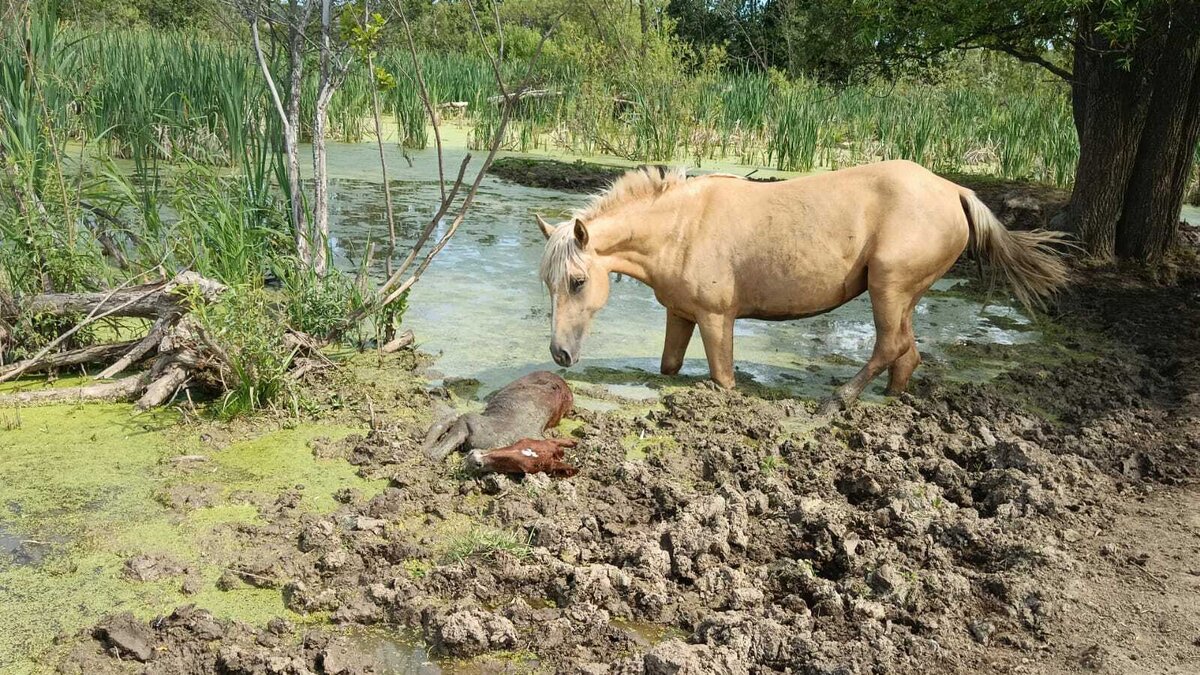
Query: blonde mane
<point>640,183</point>
<point>563,259</point>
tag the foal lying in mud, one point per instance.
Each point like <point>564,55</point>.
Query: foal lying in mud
<point>522,410</point>
<point>719,248</point>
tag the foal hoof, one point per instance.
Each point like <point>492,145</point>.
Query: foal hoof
<point>830,406</point>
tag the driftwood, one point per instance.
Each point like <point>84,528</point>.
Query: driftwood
<point>173,344</point>
<point>399,342</point>
<point>102,353</point>
<point>121,390</point>
<point>148,301</point>
<point>524,94</point>
<point>175,353</point>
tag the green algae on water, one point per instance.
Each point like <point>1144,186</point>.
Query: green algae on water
<point>85,484</point>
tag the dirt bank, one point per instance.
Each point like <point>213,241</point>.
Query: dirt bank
<point>1042,522</point>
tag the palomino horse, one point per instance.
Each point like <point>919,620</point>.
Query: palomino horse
<point>718,248</point>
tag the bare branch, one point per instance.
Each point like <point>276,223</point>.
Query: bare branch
<point>420,76</point>
<point>266,71</point>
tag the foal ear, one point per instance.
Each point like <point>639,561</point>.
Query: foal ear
<point>547,228</point>
<point>581,233</point>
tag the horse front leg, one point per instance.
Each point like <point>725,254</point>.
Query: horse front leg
<point>716,330</point>
<point>679,334</point>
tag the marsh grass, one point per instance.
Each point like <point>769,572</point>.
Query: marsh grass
<point>151,95</point>
<point>485,543</point>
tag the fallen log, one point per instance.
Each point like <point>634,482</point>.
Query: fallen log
<point>178,350</point>
<point>399,342</point>
<point>125,389</point>
<point>147,301</point>
<point>101,353</point>
<point>177,355</point>
<point>138,350</point>
<point>522,95</point>
<point>158,392</point>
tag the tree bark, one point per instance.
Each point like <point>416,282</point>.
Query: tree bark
<point>1116,101</point>
<point>121,390</point>
<point>148,301</point>
<point>163,388</point>
<point>143,302</point>
<point>320,230</point>
<point>1158,186</point>
<point>291,133</point>
<point>644,18</point>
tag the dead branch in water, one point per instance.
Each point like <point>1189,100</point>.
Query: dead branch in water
<point>513,97</point>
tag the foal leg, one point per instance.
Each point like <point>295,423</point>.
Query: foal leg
<point>891,342</point>
<point>679,334</point>
<point>716,330</point>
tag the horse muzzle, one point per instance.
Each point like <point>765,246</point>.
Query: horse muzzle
<point>563,357</point>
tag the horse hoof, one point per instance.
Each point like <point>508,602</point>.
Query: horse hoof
<point>830,406</point>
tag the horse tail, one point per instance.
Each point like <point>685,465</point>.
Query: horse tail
<point>1031,266</point>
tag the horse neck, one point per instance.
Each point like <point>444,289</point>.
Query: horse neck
<point>634,238</point>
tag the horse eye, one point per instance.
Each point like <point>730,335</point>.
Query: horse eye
<point>577,285</point>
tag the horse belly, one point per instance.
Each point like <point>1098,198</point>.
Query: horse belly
<point>776,292</point>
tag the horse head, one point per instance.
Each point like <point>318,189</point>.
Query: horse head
<point>578,285</point>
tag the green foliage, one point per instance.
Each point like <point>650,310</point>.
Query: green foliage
<point>154,13</point>
<point>245,326</point>
<point>42,247</point>
<point>223,231</point>
<point>317,304</point>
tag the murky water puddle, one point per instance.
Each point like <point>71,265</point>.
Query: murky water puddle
<point>395,654</point>
<point>19,549</point>
<point>1191,215</point>
<point>482,308</point>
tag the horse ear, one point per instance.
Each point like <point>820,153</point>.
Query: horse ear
<point>581,233</point>
<point>547,228</point>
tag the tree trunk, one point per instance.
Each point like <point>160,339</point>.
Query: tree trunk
<point>1157,189</point>
<point>121,390</point>
<point>1114,110</point>
<point>149,301</point>
<point>291,132</point>
<point>644,18</point>
<point>320,239</point>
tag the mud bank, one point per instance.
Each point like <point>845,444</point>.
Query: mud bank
<point>965,528</point>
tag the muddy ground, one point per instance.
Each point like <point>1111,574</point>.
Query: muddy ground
<point>1045,521</point>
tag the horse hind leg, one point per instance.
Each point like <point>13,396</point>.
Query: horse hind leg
<point>902,369</point>
<point>445,437</point>
<point>893,339</point>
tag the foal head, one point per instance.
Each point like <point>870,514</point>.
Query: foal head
<point>578,285</point>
